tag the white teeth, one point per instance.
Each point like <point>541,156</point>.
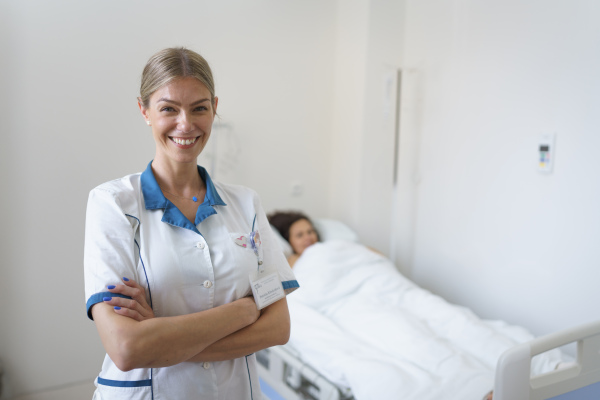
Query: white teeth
<point>184,141</point>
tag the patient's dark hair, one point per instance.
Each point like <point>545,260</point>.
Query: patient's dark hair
<point>282,220</point>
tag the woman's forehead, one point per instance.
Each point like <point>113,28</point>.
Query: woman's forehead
<point>186,89</point>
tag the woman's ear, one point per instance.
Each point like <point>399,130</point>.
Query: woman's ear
<point>143,110</point>
<point>215,106</point>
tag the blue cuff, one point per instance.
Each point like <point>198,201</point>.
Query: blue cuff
<point>98,298</point>
<point>290,285</point>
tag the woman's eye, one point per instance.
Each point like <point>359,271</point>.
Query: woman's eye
<point>167,109</point>
<point>201,108</point>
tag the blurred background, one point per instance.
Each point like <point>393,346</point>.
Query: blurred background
<point>418,123</point>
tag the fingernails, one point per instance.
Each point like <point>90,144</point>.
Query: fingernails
<point>107,298</point>
<point>125,279</point>
<point>111,286</point>
<point>117,308</point>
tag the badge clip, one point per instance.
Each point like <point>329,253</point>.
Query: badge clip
<point>266,289</point>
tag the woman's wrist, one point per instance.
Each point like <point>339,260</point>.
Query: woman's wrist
<point>248,310</point>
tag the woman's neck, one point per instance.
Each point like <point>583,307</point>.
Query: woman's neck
<point>181,179</point>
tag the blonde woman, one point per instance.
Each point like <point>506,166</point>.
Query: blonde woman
<point>170,256</point>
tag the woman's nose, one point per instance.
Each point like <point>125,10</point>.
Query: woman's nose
<point>183,123</point>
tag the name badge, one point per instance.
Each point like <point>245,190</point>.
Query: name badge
<point>266,289</point>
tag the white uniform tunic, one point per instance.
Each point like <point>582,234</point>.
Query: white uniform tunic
<point>133,231</point>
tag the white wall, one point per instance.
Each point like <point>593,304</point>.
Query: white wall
<point>484,80</point>
<point>376,178</point>
<point>369,45</point>
<point>349,90</point>
<point>70,77</point>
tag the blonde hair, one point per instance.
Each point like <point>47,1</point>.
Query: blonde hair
<point>173,63</point>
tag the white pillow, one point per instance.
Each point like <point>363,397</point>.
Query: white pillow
<point>332,229</point>
<point>285,246</point>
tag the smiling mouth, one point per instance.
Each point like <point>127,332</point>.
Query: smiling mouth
<point>184,142</point>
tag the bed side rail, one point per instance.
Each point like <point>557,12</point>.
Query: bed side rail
<point>281,368</point>
<point>579,381</point>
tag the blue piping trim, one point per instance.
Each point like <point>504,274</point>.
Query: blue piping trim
<point>149,294</point>
<point>144,267</point>
<point>99,298</point>
<point>136,218</point>
<point>249,379</point>
<point>110,382</point>
<point>290,285</point>
<point>142,261</point>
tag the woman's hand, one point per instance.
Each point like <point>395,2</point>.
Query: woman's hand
<point>137,307</point>
<point>250,307</point>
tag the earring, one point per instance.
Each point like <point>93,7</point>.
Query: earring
<point>148,122</point>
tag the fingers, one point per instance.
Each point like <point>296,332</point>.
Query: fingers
<point>128,308</point>
<point>125,307</point>
<point>136,307</point>
<point>130,288</point>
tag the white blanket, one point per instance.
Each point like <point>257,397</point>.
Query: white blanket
<point>363,325</point>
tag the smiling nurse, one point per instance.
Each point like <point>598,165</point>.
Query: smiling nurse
<point>170,255</point>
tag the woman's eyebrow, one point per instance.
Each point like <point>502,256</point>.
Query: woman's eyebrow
<point>177,103</point>
<point>199,101</point>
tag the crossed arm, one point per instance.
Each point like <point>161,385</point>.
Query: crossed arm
<point>134,338</point>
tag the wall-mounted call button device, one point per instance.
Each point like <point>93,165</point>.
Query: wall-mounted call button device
<point>546,152</point>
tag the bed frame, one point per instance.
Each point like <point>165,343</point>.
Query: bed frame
<point>579,381</point>
<point>282,369</point>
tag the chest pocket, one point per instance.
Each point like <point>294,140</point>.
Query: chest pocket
<point>245,260</point>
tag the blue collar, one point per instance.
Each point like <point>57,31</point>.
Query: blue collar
<point>154,199</point>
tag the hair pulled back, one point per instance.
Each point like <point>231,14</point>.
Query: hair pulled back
<point>173,63</point>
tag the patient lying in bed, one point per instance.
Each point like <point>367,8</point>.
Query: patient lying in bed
<point>297,230</point>
<point>298,233</point>
<point>365,326</point>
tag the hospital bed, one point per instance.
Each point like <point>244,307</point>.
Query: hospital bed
<point>288,375</point>
<point>284,371</point>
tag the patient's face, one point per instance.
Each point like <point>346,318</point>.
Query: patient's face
<point>302,235</point>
